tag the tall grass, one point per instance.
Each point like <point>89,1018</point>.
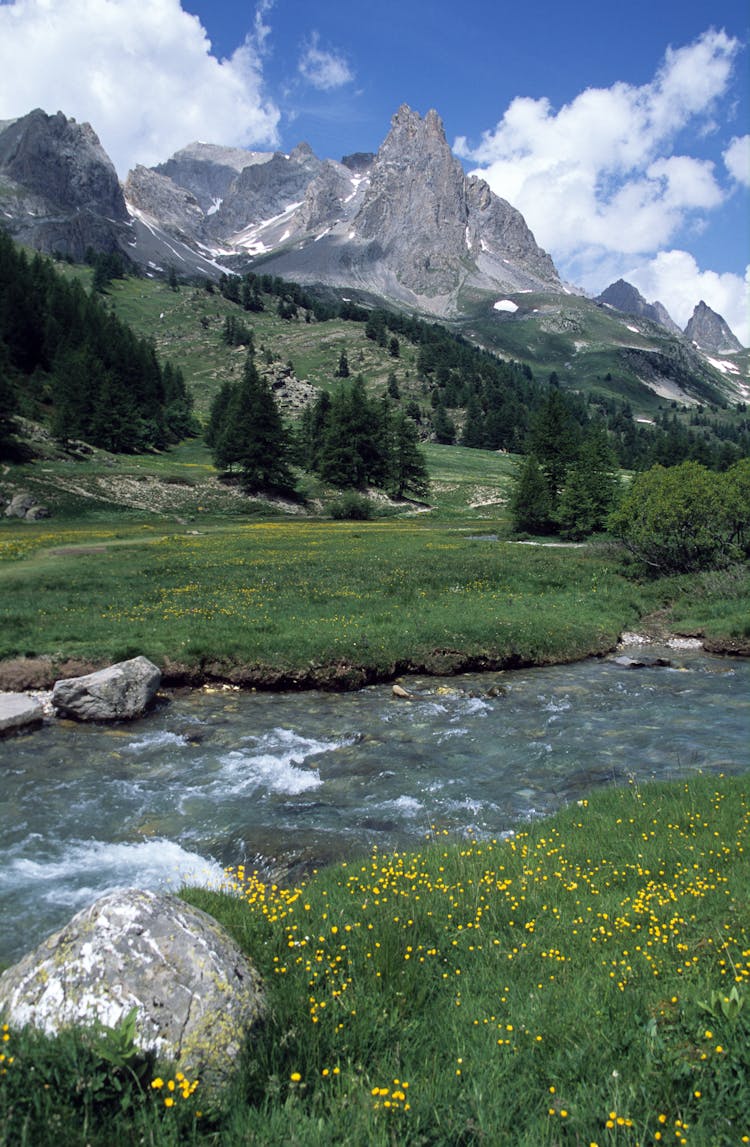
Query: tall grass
<point>585,981</point>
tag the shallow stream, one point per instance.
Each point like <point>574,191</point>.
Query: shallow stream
<point>218,777</point>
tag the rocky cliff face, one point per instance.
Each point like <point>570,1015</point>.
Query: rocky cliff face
<point>625,297</point>
<point>208,171</point>
<point>406,223</point>
<point>157,197</point>
<point>710,332</point>
<point>60,190</point>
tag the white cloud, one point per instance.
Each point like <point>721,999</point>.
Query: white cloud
<point>600,185</point>
<point>323,69</point>
<point>737,159</point>
<point>600,170</point>
<point>143,75</point>
<point>675,279</point>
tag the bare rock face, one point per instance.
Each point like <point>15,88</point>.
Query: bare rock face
<point>61,191</point>
<point>625,297</point>
<point>263,190</point>
<point>437,230</point>
<point>159,197</point>
<point>496,227</point>
<point>416,193</point>
<point>710,332</point>
<point>116,693</point>
<point>208,171</point>
<point>195,994</point>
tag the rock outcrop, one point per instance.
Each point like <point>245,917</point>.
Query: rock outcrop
<point>18,711</point>
<point>625,297</point>
<point>710,332</point>
<point>116,693</point>
<point>208,171</point>
<point>195,993</point>
<point>24,505</point>
<point>60,189</point>
<point>159,198</point>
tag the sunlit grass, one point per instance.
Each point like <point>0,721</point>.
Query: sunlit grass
<point>297,595</point>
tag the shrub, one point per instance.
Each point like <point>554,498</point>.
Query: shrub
<point>351,507</point>
<point>683,519</point>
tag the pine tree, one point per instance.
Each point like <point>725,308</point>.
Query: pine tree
<point>253,436</point>
<point>408,468</point>
<point>554,439</point>
<point>532,505</point>
<point>590,489</point>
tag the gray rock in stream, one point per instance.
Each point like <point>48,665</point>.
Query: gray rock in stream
<point>118,692</point>
<point>18,711</point>
<point>195,994</point>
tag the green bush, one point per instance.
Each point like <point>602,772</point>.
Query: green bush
<point>351,507</point>
<point>683,519</point>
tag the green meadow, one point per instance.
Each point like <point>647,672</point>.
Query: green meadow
<point>585,981</point>
<point>157,557</point>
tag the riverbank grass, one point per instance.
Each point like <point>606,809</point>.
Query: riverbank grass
<point>585,981</point>
<point>298,597</point>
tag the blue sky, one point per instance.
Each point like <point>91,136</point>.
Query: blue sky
<point>620,133</point>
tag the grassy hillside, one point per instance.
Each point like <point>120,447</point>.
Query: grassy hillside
<point>594,348</point>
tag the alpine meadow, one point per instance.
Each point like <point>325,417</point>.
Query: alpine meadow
<point>275,425</point>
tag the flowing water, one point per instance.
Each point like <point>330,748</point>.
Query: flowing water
<point>220,777</point>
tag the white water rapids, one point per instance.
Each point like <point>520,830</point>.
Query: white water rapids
<point>222,777</point>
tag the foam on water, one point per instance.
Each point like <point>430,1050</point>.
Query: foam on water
<point>157,740</point>
<point>85,869</point>
<point>275,765</point>
<point>245,772</point>
<point>407,806</point>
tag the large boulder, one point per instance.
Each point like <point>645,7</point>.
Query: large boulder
<point>25,506</point>
<point>18,711</point>
<point>195,993</point>
<point>113,694</point>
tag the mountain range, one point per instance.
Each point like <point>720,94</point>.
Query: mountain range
<point>405,225</point>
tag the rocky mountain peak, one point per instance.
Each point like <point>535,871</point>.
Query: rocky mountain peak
<point>709,331</point>
<point>61,183</point>
<point>62,161</point>
<point>623,296</point>
<point>415,208</point>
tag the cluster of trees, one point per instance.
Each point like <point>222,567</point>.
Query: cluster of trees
<point>63,354</point>
<point>347,438</point>
<point>493,401</point>
<point>246,433</point>
<point>567,482</point>
<point>352,441</point>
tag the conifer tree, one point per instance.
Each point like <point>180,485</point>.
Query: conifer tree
<point>253,436</point>
<point>408,468</point>
<point>590,489</point>
<point>532,505</point>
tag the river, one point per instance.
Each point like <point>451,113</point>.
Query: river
<point>216,777</point>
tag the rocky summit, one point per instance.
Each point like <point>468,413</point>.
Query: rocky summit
<point>59,188</point>
<point>710,333</point>
<point>405,225</point>
<point>628,299</point>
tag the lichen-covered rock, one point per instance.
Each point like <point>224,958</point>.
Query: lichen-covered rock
<point>118,692</point>
<point>18,711</point>
<point>195,993</point>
